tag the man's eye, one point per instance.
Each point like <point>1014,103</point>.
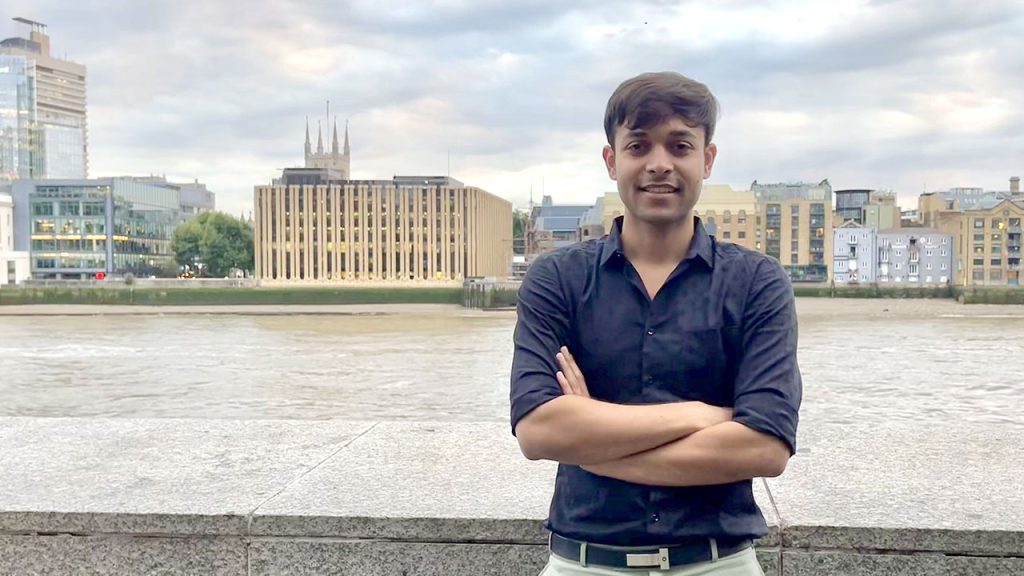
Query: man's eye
<point>634,147</point>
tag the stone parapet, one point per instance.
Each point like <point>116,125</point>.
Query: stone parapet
<point>120,496</point>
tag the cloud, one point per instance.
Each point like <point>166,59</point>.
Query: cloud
<point>512,95</point>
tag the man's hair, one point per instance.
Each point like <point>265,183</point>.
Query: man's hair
<point>648,99</point>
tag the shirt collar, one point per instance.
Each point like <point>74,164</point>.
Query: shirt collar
<point>700,247</point>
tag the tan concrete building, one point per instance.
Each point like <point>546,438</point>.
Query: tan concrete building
<point>730,215</point>
<point>991,242</point>
<point>798,227</point>
<point>986,230</point>
<point>403,230</point>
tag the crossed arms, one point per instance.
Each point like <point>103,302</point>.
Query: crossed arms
<point>676,444</point>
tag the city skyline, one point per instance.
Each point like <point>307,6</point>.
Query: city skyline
<point>910,96</point>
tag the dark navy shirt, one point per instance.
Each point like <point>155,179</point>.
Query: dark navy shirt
<point>722,330</point>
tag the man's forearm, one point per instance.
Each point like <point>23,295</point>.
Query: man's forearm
<point>721,454</point>
<point>577,430</point>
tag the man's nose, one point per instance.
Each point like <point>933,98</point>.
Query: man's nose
<point>659,162</point>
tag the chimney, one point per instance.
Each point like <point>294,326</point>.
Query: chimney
<point>1015,186</point>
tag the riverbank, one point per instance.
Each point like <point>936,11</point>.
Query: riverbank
<point>229,296</point>
<point>477,296</point>
<point>228,310</point>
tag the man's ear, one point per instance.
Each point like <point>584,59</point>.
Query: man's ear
<point>609,161</point>
<point>710,153</point>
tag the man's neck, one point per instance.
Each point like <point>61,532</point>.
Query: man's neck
<point>657,245</point>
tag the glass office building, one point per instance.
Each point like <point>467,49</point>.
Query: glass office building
<point>75,229</point>
<point>17,117</point>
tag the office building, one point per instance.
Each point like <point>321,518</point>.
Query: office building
<point>74,229</point>
<point>411,228</point>
<point>56,126</point>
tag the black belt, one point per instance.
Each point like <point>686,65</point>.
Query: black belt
<point>588,554</point>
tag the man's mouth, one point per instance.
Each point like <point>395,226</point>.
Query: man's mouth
<point>659,189</point>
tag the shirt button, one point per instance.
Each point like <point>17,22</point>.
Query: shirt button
<point>655,517</point>
<point>650,332</point>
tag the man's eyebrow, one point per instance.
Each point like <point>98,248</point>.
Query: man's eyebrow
<point>682,134</point>
<point>673,134</point>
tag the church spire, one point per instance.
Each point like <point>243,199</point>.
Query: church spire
<point>319,138</point>
<point>346,138</point>
<point>334,141</point>
<point>309,146</point>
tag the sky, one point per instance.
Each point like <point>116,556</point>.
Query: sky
<point>904,95</point>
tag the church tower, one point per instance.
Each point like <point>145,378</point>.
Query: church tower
<point>336,160</point>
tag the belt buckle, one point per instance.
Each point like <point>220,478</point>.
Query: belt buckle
<point>649,560</point>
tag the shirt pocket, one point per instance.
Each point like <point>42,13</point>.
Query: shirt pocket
<point>701,366</point>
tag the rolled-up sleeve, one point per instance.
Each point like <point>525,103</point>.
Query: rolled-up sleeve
<point>541,329</point>
<point>768,387</point>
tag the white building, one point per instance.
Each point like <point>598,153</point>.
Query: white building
<point>853,254</point>
<point>863,255</point>
<point>14,266</point>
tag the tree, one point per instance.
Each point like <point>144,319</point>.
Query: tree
<point>520,224</point>
<point>217,241</point>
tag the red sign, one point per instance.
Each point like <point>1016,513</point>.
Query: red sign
<point>100,275</point>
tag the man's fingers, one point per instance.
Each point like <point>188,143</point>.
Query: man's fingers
<point>568,374</point>
<point>566,388</point>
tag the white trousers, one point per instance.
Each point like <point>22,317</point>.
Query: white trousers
<point>742,563</point>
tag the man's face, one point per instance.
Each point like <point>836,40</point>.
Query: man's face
<point>660,170</point>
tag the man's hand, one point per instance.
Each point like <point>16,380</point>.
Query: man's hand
<point>570,377</point>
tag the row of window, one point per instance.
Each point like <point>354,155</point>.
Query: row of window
<point>997,223</point>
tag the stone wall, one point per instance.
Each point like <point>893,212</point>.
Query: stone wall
<point>253,498</point>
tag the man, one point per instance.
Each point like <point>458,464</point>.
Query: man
<point>656,364</point>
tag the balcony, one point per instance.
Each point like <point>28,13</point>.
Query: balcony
<point>1013,230</point>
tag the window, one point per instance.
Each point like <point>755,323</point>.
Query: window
<point>996,275</point>
<point>979,261</point>
<point>979,237</point>
<point>928,266</point>
<point>897,266</point>
<point>997,261</point>
<point>945,240</point>
<point>742,218</point>
<point>978,275</point>
<point>742,235</point>
<point>943,267</point>
<point>726,217</point>
<point>943,252</point>
<point>727,235</point>
<point>42,209</point>
<point>997,223</point>
<point>997,237</point>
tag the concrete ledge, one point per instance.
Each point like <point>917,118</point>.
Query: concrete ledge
<point>333,497</point>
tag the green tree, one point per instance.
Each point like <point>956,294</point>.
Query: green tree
<point>216,240</point>
<point>520,223</point>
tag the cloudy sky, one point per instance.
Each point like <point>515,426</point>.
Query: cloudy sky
<point>899,94</point>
